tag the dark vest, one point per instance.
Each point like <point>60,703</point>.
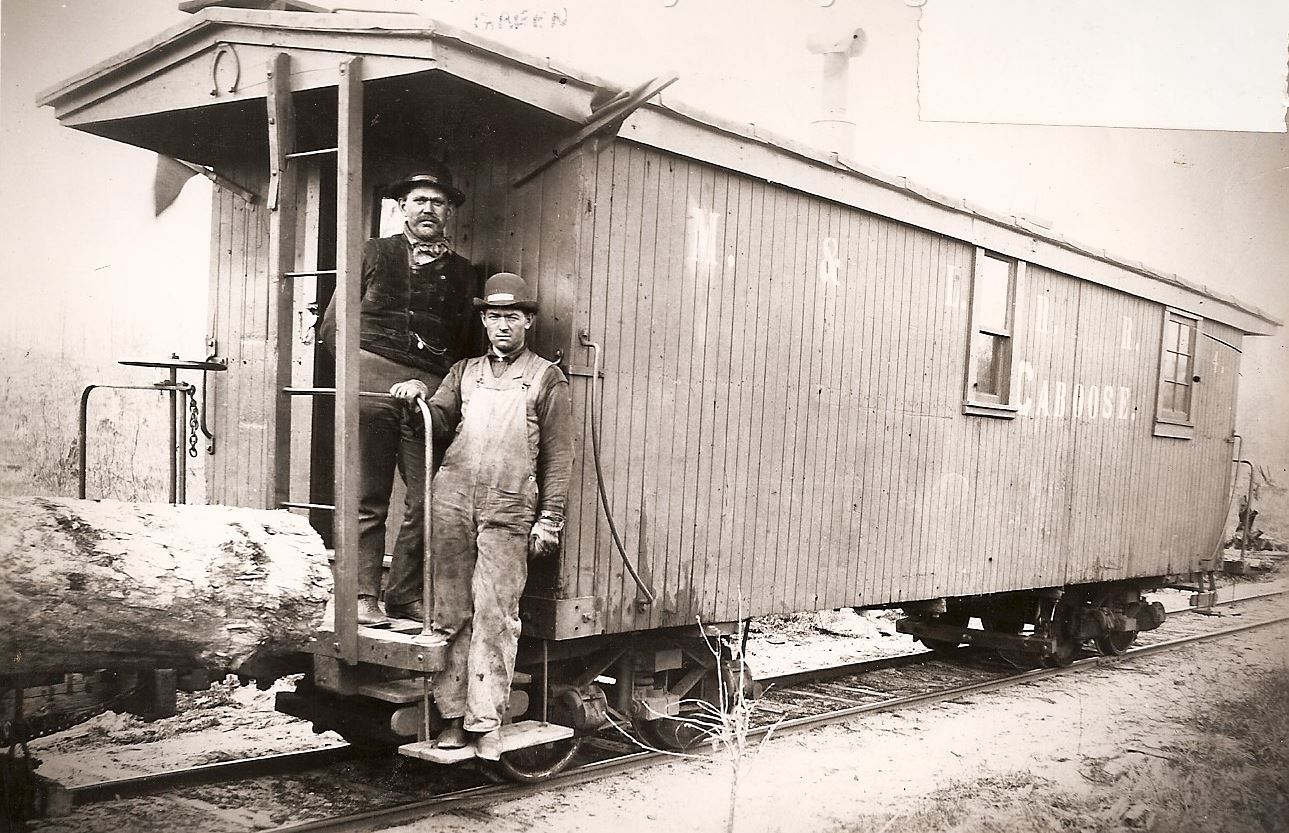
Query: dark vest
<point>422,317</point>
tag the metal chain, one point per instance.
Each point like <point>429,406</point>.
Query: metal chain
<point>194,423</point>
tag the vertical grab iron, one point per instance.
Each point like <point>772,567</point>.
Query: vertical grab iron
<point>427,568</point>
<point>427,572</point>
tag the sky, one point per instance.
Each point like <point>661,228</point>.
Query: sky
<point>1181,64</point>
<point>90,275</point>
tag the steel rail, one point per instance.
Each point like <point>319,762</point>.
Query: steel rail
<point>287,763</point>
<point>467,798</point>
<point>1084,664</point>
<point>482,796</point>
<point>835,671</point>
<point>223,771</point>
<point>1252,597</point>
<point>832,672</point>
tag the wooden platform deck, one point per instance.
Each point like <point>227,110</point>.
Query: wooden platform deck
<point>514,736</point>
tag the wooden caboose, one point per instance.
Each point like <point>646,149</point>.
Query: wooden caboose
<point>820,386</point>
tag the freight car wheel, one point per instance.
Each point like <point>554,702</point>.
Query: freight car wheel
<point>537,763</point>
<point>1065,654</point>
<point>698,723</point>
<point>1116,643</point>
<point>1062,629</point>
<point>1113,643</point>
<point>670,734</point>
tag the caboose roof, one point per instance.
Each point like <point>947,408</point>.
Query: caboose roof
<point>127,96</point>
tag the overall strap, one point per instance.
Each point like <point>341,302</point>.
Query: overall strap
<point>526,372</point>
<point>470,376</point>
<point>531,368</point>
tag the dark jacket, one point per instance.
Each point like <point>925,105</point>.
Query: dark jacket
<point>420,317</point>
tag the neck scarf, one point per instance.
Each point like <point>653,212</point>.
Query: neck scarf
<point>422,252</point>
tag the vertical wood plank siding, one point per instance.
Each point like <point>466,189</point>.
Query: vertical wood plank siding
<point>781,411</point>
<point>236,474</point>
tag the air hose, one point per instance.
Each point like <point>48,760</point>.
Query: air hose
<point>585,337</point>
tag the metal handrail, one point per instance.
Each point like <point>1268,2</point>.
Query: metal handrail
<point>1248,511</point>
<point>178,463</point>
<point>427,572</point>
<point>368,394</point>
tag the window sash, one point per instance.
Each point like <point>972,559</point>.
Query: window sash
<point>994,285</point>
<point>1176,369</point>
<point>990,364</point>
<point>992,294</point>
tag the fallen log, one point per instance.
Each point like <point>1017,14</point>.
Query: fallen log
<point>104,584</point>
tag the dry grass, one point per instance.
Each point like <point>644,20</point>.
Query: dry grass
<point>1231,776</point>
<point>38,441</point>
<point>723,728</point>
<point>1236,777</point>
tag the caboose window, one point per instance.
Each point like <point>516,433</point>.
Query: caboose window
<point>1176,376</point>
<point>993,296</point>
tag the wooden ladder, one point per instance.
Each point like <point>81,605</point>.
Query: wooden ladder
<point>289,261</point>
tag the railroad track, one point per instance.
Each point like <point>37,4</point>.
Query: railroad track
<point>793,703</point>
<point>257,767</point>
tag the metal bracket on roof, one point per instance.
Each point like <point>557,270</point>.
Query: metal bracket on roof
<point>221,181</point>
<point>607,114</point>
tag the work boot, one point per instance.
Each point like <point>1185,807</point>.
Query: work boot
<point>488,745</point>
<point>411,610</point>
<point>452,736</point>
<point>369,612</point>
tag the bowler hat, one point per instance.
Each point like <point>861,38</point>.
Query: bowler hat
<point>506,289</point>
<point>433,175</point>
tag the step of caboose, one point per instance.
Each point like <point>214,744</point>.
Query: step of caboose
<point>514,736</point>
<point>394,691</point>
<point>404,626</point>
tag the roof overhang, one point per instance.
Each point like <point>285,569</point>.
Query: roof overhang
<point>222,55</point>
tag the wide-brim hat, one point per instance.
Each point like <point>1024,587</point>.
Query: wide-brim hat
<point>433,176</point>
<point>507,290</point>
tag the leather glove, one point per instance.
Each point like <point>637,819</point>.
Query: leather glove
<point>545,536</point>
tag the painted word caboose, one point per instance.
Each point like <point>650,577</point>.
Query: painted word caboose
<point>800,384</point>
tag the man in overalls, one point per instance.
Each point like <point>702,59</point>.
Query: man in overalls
<point>498,499</point>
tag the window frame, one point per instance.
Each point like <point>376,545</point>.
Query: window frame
<point>998,404</point>
<point>1170,422</point>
